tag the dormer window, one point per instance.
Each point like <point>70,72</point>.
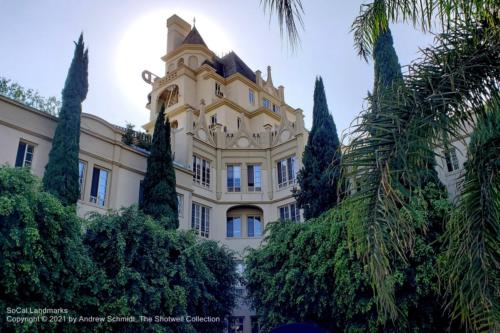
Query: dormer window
<point>218,91</point>
<point>266,103</point>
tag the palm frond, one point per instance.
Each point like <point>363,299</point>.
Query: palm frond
<point>472,237</point>
<point>423,14</point>
<point>441,94</point>
<point>289,14</point>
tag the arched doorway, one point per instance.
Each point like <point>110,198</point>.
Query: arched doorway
<point>244,221</point>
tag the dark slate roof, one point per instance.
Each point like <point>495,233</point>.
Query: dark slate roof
<point>194,37</point>
<point>230,64</point>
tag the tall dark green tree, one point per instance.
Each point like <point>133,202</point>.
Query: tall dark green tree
<point>386,66</point>
<point>160,198</point>
<point>61,172</point>
<point>319,177</point>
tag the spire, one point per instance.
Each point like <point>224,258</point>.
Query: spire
<point>269,80</point>
<point>194,37</point>
<point>194,22</point>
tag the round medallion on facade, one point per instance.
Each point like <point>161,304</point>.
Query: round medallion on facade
<point>243,142</point>
<point>202,134</point>
<point>285,135</point>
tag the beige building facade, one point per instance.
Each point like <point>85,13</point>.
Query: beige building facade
<point>237,148</point>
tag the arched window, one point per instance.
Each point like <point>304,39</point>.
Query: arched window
<point>244,221</point>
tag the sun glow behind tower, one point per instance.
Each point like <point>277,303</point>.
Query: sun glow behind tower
<point>145,42</point>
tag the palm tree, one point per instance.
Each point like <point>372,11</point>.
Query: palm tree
<point>443,95</point>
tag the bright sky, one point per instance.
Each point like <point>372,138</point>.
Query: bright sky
<point>126,36</point>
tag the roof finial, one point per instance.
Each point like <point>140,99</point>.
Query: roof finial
<point>194,22</point>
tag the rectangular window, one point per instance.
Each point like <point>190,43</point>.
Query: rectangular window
<point>233,178</point>
<point>218,91</point>
<point>240,270</point>
<point>289,212</point>
<point>238,122</point>
<point>24,157</point>
<point>276,108</point>
<point>235,324</point>
<point>82,175</point>
<point>254,226</point>
<point>251,96</point>
<point>201,171</point>
<point>254,178</point>
<point>266,103</point>
<point>286,172</point>
<point>180,204</point>
<point>233,227</point>
<point>200,219</point>
<point>213,119</point>
<point>450,156</point>
<point>254,320</point>
<point>99,187</point>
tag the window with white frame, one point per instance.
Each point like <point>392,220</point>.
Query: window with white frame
<point>233,178</point>
<point>276,108</point>
<point>218,91</point>
<point>82,174</point>
<point>254,226</point>
<point>254,178</point>
<point>200,219</point>
<point>251,96</point>
<point>180,204</point>
<point>233,227</point>
<point>289,212</point>
<point>286,172</point>
<point>201,171</point>
<point>450,156</point>
<point>266,103</point>
<point>99,188</point>
<point>24,157</point>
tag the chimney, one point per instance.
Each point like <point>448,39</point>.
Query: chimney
<point>177,30</point>
<point>281,93</point>
<point>258,77</point>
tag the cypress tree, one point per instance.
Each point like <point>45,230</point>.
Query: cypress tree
<point>386,64</point>
<point>61,172</point>
<point>388,77</point>
<point>160,197</point>
<point>319,177</point>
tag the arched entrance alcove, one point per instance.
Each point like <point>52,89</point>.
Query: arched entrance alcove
<point>244,221</point>
<point>169,97</point>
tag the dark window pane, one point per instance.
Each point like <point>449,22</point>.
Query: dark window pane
<point>21,149</point>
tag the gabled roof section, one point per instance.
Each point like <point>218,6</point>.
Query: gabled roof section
<point>231,64</point>
<point>194,37</point>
